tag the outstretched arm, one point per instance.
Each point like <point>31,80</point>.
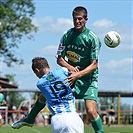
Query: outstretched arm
<point>62,62</point>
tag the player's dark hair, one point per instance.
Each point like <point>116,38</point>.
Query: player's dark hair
<point>40,63</point>
<point>80,9</point>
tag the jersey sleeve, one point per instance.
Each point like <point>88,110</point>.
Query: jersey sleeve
<point>96,45</point>
<point>61,51</point>
<point>62,48</point>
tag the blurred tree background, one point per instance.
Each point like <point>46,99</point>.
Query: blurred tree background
<point>15,23</point>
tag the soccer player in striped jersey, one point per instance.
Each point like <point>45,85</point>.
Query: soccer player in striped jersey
<point>58,96</point>
<point>81,46</point>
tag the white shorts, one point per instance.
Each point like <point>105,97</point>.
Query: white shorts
<point>67,123</point>
<point>111,118</point>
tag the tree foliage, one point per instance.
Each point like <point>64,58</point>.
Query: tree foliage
<point>15,23</point>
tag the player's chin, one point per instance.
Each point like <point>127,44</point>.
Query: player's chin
<point>78,28</point>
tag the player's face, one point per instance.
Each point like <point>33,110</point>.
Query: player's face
<point>79,22</point>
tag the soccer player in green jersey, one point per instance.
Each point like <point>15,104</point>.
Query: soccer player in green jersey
<point>81,46</point>
<point>2,102</point>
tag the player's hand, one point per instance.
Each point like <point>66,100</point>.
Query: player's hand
<point>74,69</point>
<point>73,76</point>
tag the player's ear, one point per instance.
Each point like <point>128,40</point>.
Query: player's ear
<point>86,19</point>
<point>37,70</point>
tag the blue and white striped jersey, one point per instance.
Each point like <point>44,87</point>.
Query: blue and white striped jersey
<point>58,94</point>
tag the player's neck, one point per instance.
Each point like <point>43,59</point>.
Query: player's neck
<point>80,30</point>
<point>46,70</point>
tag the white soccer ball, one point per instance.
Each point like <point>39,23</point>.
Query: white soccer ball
<point>112,39</point>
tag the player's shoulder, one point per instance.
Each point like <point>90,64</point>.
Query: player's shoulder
<point>58,71</point>
<point>66,34</point>
<point>61,69</point>
<point>64,69</point>
<point>69,31</point>
<point>1,95</point>
<point>93,35</point>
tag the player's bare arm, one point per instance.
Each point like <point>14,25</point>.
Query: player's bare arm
<point>61,61</point>
<point>89,69</point>
<point>75,75</point>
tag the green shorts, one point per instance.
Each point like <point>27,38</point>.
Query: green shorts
<point>85,90</point>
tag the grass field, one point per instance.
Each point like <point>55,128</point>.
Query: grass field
<point>41,129</point>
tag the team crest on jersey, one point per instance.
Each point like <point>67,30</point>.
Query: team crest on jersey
<point>50,77</point>
<point>72,56</point>
<point>75,47</point>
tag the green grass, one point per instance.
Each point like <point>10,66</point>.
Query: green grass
<point>42,129</point>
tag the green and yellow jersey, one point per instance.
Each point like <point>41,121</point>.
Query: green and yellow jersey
<point>81,48</point>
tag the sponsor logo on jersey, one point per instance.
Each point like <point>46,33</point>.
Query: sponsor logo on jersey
<point>72,56</point>
<point>76,48</point>
<point>62,99</point>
